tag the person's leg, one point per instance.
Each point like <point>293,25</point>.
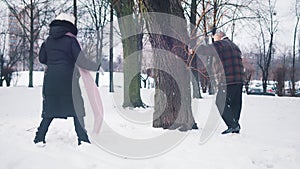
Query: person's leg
<point>237,103</point>
<point>42,130</point>
<point>220,99</point>
<point>80,130</point>
<point>223,101</point>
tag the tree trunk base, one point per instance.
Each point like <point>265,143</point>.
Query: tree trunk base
<point>137,104</point>
<point>180,127</point>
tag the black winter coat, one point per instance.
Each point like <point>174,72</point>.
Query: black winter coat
<point>61,92</point>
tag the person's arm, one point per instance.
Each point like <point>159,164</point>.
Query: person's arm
<point>206,50</point>
<point>43,54</point>
<point>81,59</point>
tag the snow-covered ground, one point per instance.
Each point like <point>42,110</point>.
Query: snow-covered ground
<point>269,139</point>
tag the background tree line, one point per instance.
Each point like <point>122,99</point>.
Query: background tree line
<point>203,18</point>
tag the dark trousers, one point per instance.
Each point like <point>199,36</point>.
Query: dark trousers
<point>229,103</point>
<point>78,123</point>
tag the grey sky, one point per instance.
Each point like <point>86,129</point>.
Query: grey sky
<point>286,16</point>
<point>284,37</point>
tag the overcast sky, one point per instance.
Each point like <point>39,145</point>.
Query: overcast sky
<point>287,17</point>
<point>284,37</point>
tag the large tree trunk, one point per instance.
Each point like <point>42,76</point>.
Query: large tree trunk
<point>193,33</point>
<point>173,93</point>
<point>204,79</point>
<point>132,64</point>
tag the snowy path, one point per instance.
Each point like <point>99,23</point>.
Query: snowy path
<point>269,138</point>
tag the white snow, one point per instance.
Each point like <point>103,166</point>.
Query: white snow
<point>269,137</point>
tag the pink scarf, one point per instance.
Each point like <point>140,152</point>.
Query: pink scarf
<point>93,94</point>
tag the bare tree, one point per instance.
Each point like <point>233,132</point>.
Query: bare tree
<point>249,69</point>
<point>194,60</point>
<point>32,16</point>
<point>111,51</point>
<point>98,11</point>
<point>268,27</point>
<point>11,60</point>
<point>294,47</point>
<point>280,73</point>
<point>3,36</point>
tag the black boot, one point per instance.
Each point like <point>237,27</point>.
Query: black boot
<point>84,140</point>
<point>232,130</point>
<point>42,130</point>
<point>80,130</point>
<point>38,139</point>
<point>195,127</point>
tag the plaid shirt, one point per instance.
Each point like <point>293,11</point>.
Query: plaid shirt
<point>229,62</point>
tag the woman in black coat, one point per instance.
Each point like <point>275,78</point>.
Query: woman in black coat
<point>61,92</point>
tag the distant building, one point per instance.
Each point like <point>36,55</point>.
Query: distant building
<point>18,40</point>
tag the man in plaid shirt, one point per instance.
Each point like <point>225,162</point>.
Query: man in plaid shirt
<point>230,75</point>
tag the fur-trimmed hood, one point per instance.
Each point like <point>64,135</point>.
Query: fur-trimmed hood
<point>59,28</point>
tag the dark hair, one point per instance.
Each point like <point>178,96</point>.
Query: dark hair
<point>72,28</point>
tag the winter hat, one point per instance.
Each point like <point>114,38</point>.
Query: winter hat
<point>67,21</point>
<point>66,17</point>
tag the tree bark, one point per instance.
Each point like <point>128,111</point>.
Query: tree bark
<point>212,81</point>
<point>111,55</point>
<point>294,58</point>
<point>132,65</point>
<point>31,41</point>
<point>1,69</point>
<point>173,93</point>
<point>75,11</point>
<point>193,33</point>
<point>97,55</point>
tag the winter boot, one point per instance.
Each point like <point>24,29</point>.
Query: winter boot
<point>42,130</point>
<point>38,139</point>
<point>84,140</point>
